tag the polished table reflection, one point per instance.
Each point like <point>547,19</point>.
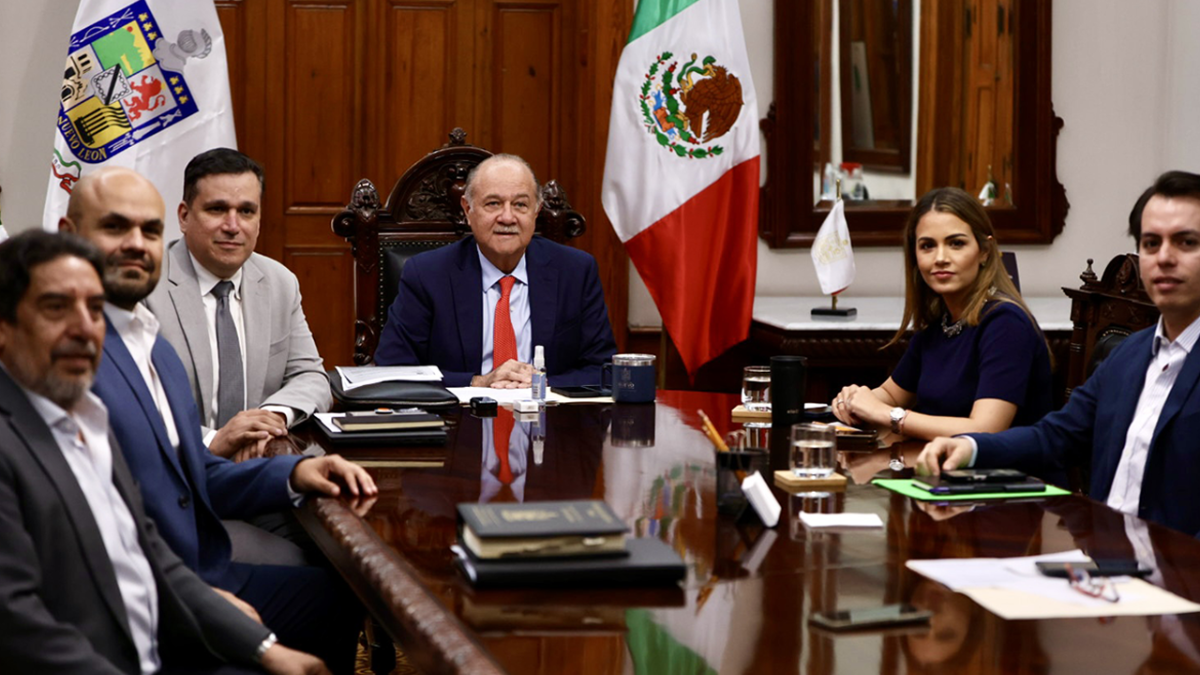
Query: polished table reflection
<point>749,590</point>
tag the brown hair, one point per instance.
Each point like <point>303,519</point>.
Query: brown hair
<point>923,307</point>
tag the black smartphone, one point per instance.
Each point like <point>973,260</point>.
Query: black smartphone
<point>983,476</point>
<point>1100,567</point>
<point>940,485</point>
<point>871,617</point>
<point>582,391</point>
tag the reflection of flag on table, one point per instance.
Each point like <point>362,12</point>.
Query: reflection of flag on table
<point>681,175</point>
<point>145,86</point>
<point>831,252</point>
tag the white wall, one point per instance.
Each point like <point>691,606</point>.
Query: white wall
<point>1124,83</point>
<point>33,50</point>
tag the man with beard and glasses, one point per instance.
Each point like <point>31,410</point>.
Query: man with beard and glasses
<point>187,489</point>
<point>477,308</point>
<point>86,583</point>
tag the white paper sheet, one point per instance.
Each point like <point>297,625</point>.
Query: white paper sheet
<point>360,376</point>
<point>1012,588</point>
<point>509,396</point>
<point>846,520</point>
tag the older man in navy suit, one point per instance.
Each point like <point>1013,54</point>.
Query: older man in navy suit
<point>1142,439</point>
<point>476,309</point>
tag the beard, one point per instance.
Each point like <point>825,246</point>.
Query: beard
<point>124,287</point>
<point>63,391</point>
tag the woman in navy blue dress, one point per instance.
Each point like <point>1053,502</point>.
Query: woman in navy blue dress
<point>976,361</point>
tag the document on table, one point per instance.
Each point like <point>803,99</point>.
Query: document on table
<point>360,376</point>
<point>855,521</point>
<point>509,396</point>
<point>1012,588</point>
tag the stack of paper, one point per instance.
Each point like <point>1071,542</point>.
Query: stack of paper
<point>361,376</point>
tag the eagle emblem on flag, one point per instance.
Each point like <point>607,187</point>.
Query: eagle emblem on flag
<point>687,107</point>
<point>123,82</point>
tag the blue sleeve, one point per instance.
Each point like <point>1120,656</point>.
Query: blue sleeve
<point>407,333</point>
<point>250,488</point>
<point>1008,345</point>
<point>907,374</point>
<point>596,344</point>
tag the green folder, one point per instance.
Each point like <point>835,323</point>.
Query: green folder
<point>906,487</point>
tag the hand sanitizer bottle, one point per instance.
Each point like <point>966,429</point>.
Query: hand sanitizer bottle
<point>539,374</point>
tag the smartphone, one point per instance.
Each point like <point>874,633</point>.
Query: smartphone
<point>983,476</point>
<point>871,617</point>
<point>1100,567</point>
<point>582,391</point>
<point>941,485</point>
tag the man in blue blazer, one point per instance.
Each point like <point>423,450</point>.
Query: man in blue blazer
<point>445,311</point>
<point>187,489</point>
<point>1143,439</point>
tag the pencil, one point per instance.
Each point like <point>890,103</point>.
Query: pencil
<point>711,432</point>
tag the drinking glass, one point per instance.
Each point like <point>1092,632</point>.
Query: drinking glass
<point>814,452</point>
<point>756,388</point>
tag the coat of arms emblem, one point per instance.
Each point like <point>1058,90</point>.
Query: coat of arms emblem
<point>124,82</point>
<point>686,108</point>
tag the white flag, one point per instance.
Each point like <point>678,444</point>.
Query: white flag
<point>831,252</point>
<point>145,86</point>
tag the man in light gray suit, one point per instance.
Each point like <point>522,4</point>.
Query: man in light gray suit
<point>233,315</point>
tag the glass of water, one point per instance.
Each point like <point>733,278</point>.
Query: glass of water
<point>756,388</point>
<point>814,453</point>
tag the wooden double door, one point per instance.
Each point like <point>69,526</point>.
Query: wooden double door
<point>326,92</point>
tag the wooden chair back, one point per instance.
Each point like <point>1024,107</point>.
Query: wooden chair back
<point>422,212</point>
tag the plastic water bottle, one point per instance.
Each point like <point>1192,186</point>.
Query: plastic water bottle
<point>539,374</point>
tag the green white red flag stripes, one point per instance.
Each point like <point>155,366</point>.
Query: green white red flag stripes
<point>145,86</point>
<point>681,174</point>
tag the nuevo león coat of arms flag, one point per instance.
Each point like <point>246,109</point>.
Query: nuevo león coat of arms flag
<point>139,77</point>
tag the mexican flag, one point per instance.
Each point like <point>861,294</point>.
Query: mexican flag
<point>681,174</point>
<point>145,86</point>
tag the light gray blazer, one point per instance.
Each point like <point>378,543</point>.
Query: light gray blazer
<point>282,363</point>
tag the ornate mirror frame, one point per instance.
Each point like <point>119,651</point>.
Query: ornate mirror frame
<point>786,219</point>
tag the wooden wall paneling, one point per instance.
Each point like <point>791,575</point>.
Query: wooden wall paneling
<point>420,82</point>
<point>325,275</point>
<point>524,99</point>
<point>232,15</point>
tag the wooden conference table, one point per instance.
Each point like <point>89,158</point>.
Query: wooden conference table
<point>749,592</point>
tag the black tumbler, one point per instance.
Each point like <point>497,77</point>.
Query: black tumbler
<point>788,384</point>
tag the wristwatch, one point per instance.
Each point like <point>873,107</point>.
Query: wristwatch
<point>897,417</point>
<point>267,643</point>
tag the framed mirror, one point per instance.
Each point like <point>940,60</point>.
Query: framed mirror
<point>949,149</point>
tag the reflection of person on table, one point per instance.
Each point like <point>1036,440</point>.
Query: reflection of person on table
<point>504,465</point>
<point>977,360</point>
<point>1142,439</point>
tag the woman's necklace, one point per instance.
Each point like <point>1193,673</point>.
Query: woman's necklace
<point>952,329</point>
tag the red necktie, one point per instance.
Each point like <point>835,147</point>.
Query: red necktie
<point>504,339</point>
<point>501,431</point>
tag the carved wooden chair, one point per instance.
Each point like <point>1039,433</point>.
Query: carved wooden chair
<point>423,211</point>
<point>1104,312</point>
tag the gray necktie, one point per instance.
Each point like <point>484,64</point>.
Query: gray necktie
<point>231,390</point>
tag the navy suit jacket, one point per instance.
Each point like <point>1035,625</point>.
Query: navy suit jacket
<point>1098,416</point>
<point>437,317</point>
<point>186,493</point>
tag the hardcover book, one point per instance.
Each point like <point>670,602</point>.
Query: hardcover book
<point>374,422</point>
<point>541,529</point>
<point>650,563</point>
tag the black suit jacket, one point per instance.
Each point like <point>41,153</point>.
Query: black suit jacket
<point>60,608</point>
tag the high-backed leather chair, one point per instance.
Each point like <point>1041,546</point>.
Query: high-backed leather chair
<point>423,211</point>
<point>1104,312</point>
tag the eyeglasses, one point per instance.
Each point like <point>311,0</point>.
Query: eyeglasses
<point>1093,587</point>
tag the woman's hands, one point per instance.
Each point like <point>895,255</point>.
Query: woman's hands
<point>857,405</point>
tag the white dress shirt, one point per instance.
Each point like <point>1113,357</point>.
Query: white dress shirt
<point>1165,363</point>
<point>518,310</point>
<point>82,436</point>
<point>207,281</point>
<point>138,330</point>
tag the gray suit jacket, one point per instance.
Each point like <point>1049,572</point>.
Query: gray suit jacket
<point>282,363</point>
<point>60,608</point>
